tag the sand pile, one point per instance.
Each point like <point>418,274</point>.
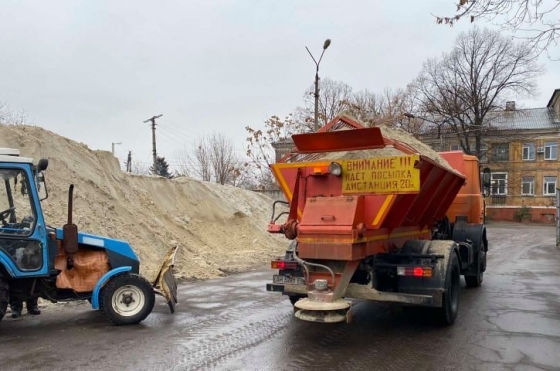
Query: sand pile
<point>219,229</point>
<point>395,134</point>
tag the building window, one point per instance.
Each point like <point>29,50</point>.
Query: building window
<point>528,186</point>
<point>500,152</point>
<point>549,186</point>
<point>551,150</point>
<point>528,151</point>
<point>456,147</point>
<point>499,184</point>
<point>483,153</point>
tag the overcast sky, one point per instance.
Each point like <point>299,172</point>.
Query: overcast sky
<point>94,70</point>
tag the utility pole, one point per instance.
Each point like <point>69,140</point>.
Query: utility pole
<point>153,120</point>
<point>129,162</point>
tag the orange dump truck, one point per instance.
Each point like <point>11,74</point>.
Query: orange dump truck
<point>398,228</point>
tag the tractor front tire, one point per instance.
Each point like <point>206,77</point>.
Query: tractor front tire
<point>127,299</point>
<point>4,296</point>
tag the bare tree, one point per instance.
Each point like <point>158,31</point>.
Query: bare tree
<point>536,21</point>
<point>243,177</point>
<point>213,159</point>
<point>463,88</point>
<point>184,162</point>
<point>140,168</point>
<point>334,97</point>
<point>260,144</point>
<point>9,117</point>
<point>223,159</point>
<point>389,107</point>
<point>201,158</point>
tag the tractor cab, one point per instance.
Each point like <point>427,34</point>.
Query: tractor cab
<point>22,229</point>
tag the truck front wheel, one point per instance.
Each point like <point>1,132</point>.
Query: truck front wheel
<point>4,296</point>
<point>475,280</point>
<point>127,299</point>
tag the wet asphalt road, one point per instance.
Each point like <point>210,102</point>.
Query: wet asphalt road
<point>511,323</point>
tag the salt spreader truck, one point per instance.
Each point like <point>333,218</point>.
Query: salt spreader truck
<point>400,228</point>
<point>62,264</point>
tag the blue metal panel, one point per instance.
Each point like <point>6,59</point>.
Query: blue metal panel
<point>102,281</point>
<point>118,246</point>
<point>7,263</point>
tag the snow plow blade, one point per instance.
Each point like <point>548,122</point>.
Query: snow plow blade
<point>165,283</point>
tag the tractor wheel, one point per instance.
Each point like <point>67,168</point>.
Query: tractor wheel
<point>127,299</point>
<point>448,312</point>
<point>4,296</point>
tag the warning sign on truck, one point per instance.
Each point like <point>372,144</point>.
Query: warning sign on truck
<point>394,174</point>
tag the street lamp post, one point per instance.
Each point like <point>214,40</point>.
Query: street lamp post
<point>113,147</point>
<point>438,124</point>
<point>316,95</point>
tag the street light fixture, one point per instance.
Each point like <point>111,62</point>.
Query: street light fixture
<point>438,124</point>
<point>113,147</point>
<point>316,94</point>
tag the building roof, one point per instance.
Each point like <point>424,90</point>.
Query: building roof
<point>533,118</point>
<point>555,95</point>
<point>543,118</point>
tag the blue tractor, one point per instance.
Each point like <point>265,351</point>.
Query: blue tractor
<point>62,264</point>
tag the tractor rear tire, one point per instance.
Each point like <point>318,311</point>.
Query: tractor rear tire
<point>127,299</point>
<point>448,312</point>
<point>4,296</point>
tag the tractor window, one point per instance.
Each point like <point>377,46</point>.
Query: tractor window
<point>17,215</point>
<point>17,220</point>
<point>27,254</point>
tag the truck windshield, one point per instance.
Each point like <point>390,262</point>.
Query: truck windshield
<point>17,215</point>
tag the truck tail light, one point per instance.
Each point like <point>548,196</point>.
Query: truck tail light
<point>282,264</point>
<point>414,271</point>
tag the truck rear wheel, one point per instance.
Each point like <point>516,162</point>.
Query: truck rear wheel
<point>294,298</point>
<point>448,312</point>
<point>127,299</point>
<point>4,296</point>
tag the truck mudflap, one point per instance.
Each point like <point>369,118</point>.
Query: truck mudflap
<point>165,283</point>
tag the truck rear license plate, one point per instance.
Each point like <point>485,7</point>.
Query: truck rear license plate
<point>283,280</point>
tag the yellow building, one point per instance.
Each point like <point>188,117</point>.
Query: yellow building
<point>521,149</point>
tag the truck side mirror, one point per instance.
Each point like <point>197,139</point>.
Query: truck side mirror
<point>486,181</point>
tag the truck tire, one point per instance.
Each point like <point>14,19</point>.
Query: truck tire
<point>4,296</point>
<point>450,301</point>
<point>127,299</point>
<point>475,280</point>
<point>294,298</point>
